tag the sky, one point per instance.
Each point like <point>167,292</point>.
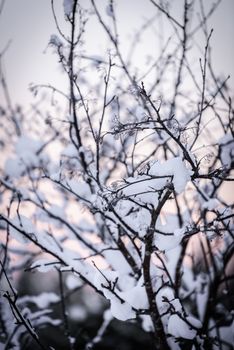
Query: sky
<point>28,24</point>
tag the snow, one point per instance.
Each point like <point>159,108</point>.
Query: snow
<point>171,259</point>
<point>109,10</point>
<point>137,219</point>
<point>43,265</point>
<point>56,176</point>
<point>174,167</point>
<point>176,304</point>
<point>24,224</point>
<point>57,210</point>
<point>105,281</point>
<point>139,186</point>
<point>140,113</point>
<point>55,40</point>
<point>68,7</point>
<point>211,204</point>
<point>227,149</point>
<point>173,233</point>
<point>178,232</point>
<point>117,261</point>
<point>14,167</point>
<point>194,321</point>
<point>227,333</point>
<point>107,318</point>
<point>119,283</point>
<point>202,294</point>
<point>105,278</point>
<point>179,328</point>
<point>136,296</point>
<point>40,317</point>
<point>164,243</point>
<point>73,282</point>
<point>178,325</point>
<point>80,187</point>
<point>26,145</point>
<point>77,313</point>
<point>163,293</point>
<point>42,300</point>
<point>121,311</point>
<point>147,324</point>
<point>27,156</point>
<point>70,151</point>
<point>42,320</point>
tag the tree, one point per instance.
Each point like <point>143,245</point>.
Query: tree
<point>124,190</point>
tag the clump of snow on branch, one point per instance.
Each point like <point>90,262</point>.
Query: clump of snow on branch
<point>68,7</point>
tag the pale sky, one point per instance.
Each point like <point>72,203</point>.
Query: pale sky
<point>29,24</point>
